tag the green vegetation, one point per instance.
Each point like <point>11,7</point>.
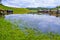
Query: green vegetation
<point>15,10</point>
<point>9,31</point>
<point>57,7</point>
<point>38,8</point>
<point>42,8</point>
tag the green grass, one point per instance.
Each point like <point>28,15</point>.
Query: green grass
<point>15,10</point>
<point>33,10</point>
<point>9,31</point>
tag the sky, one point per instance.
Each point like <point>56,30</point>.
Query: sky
<point>31,3</point>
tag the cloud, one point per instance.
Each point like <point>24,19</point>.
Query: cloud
<point>31,3</point>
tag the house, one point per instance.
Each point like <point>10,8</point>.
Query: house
<point>43,11</point>
<point>9,12</point>
<point>6,12</point>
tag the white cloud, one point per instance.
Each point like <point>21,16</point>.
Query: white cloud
<point>31,3</point>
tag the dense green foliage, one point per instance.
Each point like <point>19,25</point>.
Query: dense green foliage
<point>9,31</point>
<point>38,8</point>
<point>57,7</point>
<point>15,10</point>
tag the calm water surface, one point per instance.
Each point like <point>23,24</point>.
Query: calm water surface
<point>41,22</point>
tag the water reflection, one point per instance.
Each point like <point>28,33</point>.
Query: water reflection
<point>41,22</point>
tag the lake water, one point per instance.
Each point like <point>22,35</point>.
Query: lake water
<point>44,23</point>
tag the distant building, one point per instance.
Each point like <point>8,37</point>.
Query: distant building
<point>5,12</point>
<point>43,11</point>
<point>9,11</point>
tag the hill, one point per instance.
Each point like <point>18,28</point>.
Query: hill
<point>15,10</point>
<point>38,8</point>
<point>57,7</point>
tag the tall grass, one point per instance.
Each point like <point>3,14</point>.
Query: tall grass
<point>9,31</point>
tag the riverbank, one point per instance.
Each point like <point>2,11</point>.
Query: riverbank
<point>9,31</point>
<point>15,10</point>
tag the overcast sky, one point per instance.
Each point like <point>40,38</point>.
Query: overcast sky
<point>31,3</point>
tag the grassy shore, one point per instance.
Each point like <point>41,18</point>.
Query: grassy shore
<point>9,31</point>
<point>15,10</point>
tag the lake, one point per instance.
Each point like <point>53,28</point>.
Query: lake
<point>45,23</point>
